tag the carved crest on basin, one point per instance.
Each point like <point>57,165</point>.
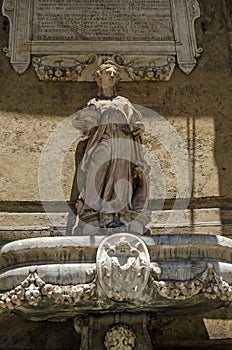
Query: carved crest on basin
<point>123,266</point>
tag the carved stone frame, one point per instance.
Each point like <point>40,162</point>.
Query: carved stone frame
<point>138,60</point>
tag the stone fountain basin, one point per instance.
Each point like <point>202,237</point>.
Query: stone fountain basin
<point>180,256</point>
<point>69,262</point>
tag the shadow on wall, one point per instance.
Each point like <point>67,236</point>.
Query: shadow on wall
<point>223,151</point>
<point>24,334</point>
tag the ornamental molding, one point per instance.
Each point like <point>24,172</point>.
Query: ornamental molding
<point>208,282</point>
<point>57,53</point>
<point>64,68</point>
<point>82,68</point>
<point>33,291</point>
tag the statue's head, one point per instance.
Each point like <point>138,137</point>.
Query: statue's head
<point>107,76</point>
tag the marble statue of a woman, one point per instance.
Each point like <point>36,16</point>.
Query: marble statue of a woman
<point>112,174</point>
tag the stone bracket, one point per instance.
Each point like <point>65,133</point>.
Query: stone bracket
<point>19,14</point>
<point>64,60</point>
<point>186,46</point>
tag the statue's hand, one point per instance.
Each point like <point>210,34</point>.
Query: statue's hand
<point>138,129</point>
<point>142,169</point>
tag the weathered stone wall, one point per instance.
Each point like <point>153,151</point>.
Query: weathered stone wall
<point>17,333</point>
<point>168,332</point>
<point>198,106</point>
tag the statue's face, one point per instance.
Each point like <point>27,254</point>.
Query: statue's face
<point>108,77</point>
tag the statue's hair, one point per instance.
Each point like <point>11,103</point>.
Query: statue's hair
<point>105,65</point>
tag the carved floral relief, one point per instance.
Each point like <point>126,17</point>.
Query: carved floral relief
<point>120,337</point>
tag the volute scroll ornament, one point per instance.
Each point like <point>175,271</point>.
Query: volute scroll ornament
<point>194,9</point>
<point>9,5</point>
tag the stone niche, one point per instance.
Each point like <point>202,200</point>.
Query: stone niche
<point>69,39</point>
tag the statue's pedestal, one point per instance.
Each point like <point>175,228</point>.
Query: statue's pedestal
<point>115,280</point>
<point>131,222</point>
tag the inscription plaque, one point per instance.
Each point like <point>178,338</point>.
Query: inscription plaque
<point>146,20</point>
<point>68,39</point>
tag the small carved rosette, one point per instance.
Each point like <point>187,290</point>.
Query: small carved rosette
<point>123,266</point>
<point>120,337</point>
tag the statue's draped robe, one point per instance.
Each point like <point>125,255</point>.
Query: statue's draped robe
<point>110,176</point>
